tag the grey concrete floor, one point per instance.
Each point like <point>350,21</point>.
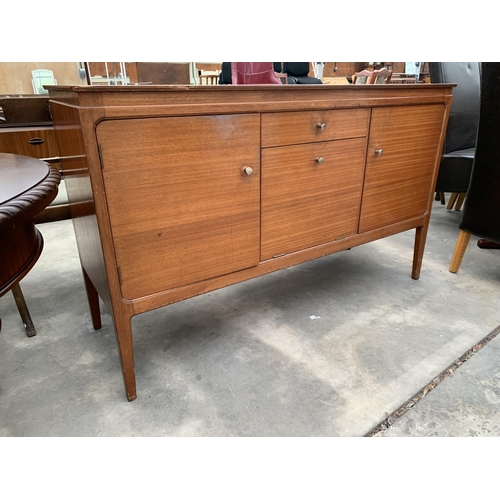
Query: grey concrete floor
<point>327,348</point>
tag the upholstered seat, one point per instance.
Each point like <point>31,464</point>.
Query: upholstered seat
<point>298,72</point>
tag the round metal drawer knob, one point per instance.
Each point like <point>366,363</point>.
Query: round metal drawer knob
<point>320,159</point>
<point>379,151</point>
<point>322,126</point>
<point>248,170</point>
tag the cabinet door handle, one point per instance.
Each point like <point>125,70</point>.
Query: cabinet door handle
<point>379,151</point>
<point>320,159</point>
<point>248,170</point>
<point>322,126</point>
<point>36,140</point>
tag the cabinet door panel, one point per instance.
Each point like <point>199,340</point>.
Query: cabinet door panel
<point>398,179</point>
<point>306,203</point>
<point>181,208</point>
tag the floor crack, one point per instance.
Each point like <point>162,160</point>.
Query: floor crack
<point>410,403</point>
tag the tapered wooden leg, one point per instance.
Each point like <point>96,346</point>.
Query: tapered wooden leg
<point>418,250</point>
<point>123,328</point>
<point>460,247</point>
<point>23,310</point>
<point>460,201</point>
<point>451,202</point>
<point>93,299</point>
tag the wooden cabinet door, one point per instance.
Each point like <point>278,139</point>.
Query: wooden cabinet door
<point>306,202</point>
<point>181,207</point>
<point>401,157</point>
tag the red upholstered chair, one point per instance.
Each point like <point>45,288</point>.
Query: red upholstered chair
<point>253,73</point>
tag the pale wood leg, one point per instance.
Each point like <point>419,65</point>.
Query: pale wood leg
<point>23,310</point>
<point>93,299</point>
<point>123,328</point>
<point>460,247</point>
<point>418,250</point>
<point>451,202</point>
<point>460,201</point>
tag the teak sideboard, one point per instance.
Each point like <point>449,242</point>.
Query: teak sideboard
<point>179,190</point>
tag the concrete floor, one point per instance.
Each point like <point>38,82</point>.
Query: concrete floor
<point>331,347</point>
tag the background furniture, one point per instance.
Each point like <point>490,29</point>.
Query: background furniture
<point>252,179</point>
<point>481,214</point>
<point>375,77</point>
<point>298,73</point>
<point>41,77</point>
<point>209,77</point>
<point>27,185</point>
<point>253,73</point>
<point>225,77</point>
<point>28,131</point>
<point>381,76</point>
<point>362,77</point>
<point>458,152</point>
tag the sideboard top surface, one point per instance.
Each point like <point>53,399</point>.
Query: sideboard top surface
<point>187,99</point>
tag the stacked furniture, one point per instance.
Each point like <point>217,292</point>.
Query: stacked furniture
<point>458,152</point>
<point>481,214</point>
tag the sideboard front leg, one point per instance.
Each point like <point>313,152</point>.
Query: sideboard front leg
<point>123,329</point>
<point>93,298</point>
<point>418,251</point>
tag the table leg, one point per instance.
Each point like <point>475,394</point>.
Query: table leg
<point>23,310</point>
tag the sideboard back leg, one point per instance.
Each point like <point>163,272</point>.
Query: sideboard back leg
<point>418,251</point>
<point>93,298</point>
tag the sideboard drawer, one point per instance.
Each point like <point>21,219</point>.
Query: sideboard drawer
<point>300,127</point>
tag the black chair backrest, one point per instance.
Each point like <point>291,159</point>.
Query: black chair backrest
<point>225,74</point>
<point>464,114</point>
<point>481,213</point>
<point>296,68</point>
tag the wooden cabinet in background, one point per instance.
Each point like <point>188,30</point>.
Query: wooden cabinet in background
<point>38,142</point>
<point>177,191</point>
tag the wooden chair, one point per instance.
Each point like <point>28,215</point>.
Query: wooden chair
<point>380,76</point>
<point>362,77</point>
<point>209,77</point>
<point>41,77</point>
<point>375,77</point>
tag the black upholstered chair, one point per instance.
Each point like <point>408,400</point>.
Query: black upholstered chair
<point>481,213</point>
<point>298,73</point>
<point>458,151</point>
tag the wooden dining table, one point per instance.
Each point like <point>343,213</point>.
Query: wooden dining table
<point>27,186</point>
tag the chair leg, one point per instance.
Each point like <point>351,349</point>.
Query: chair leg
<point>451,202</point>
<point>23,310</point>
<point>460,201</point>
<point>440,197</point>
<point>458,254</point>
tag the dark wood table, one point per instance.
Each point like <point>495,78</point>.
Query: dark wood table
<point>27,186</point>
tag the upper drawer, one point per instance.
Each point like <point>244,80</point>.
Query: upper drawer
<point>299,127</point>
